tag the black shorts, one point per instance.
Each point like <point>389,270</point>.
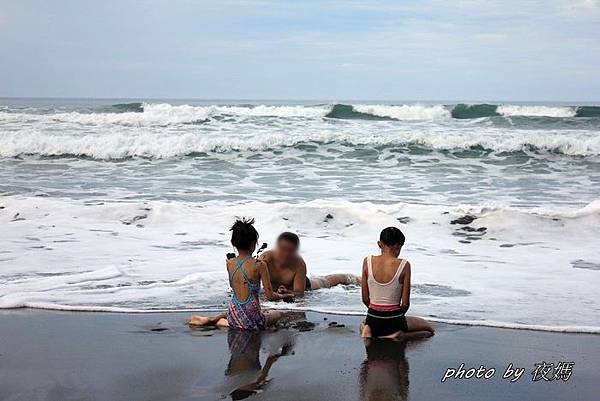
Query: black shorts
<point>307,285</point>
<point>384,323</point>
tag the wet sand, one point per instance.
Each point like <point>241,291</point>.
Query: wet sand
<point>60,356</point>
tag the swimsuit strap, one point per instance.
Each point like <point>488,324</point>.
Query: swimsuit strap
<point>239,264</point>
<point>254,289</point>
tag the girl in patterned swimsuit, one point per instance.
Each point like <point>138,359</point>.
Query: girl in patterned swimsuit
<point>245,275</point>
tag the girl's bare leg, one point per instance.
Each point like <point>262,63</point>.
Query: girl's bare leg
<point>218,320</point>
<point>400,335</point>
<point>417,324</point>
<point>272,317</point>
<point>417,328</point>
<point>365,331</point>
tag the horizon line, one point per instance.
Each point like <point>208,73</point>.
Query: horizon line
<point>332,100</point>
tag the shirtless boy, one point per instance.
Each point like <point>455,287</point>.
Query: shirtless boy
<point>287,269</point>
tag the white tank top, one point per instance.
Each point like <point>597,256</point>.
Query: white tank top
<point>385,294</point>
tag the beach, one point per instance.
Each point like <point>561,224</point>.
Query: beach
<point>59,356</point>
<point>116,217</point>
<point>398,169</point>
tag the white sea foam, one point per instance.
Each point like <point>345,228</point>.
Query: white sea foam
<point>156,256</point>
<point>164,114</point>
<point>536,111</point>
<point>114,145</point>
<point>479,323</point>
<point>405,112</point>
<point>161,114</point>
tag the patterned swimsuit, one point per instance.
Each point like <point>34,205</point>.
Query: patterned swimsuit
<point>245,314</point>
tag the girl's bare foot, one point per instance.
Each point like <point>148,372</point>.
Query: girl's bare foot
<point>198,320</point>
<point>352,279</point>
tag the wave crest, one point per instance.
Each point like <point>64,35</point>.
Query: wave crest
<point>162,114</point>
<point>588,111</point>
<point>466,111</point>
<point>405,112</point>
<point>536,111</point>
<point>114,145</point>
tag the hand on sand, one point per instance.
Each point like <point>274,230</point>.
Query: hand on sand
<point>288,298</point>
<point>286,349</point>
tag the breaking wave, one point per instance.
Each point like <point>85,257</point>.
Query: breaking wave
<point>536,111</point>
<point>136,107</point>
<point>348,112</point>
<point>406,112</point>
<point>459,111</point>
<point>469,111</point>
<point>116,145</point>
<point>388,112</point>
<point>588,111</point>
<point>163,114</point>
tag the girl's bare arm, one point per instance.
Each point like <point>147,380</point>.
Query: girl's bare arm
<point>405,301</point>
<point>364,284</point>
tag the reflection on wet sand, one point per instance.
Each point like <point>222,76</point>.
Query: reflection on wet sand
<point>384,373</point>
<point>245,374</point>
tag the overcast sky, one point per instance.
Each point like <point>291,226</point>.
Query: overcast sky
<point>302,49</point>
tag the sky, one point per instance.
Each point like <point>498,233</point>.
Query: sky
<point>302,49</point>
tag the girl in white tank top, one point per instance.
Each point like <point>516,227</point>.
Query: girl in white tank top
<point>388,295</point>
<point>388,298</point>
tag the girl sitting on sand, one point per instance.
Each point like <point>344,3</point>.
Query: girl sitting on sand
<point>386,292</point>
<point>245,274</point>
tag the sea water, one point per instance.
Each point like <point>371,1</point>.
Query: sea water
<point>113,205</point>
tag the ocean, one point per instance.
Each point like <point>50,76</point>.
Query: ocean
<point>120,205</point>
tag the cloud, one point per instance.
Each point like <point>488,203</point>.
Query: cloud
<point>260,44</point>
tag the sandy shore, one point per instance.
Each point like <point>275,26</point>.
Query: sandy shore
<point>64,356</point>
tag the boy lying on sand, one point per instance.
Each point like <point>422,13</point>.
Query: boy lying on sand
<point>288,270</point>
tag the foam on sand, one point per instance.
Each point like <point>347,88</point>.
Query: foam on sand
<point>151,256</point>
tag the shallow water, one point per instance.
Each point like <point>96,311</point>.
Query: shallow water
<point>108,205</point>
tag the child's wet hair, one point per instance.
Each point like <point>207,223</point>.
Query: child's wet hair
<point>243,233</point>
<point>391,236</point>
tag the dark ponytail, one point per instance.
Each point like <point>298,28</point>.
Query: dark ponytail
<point>243,233</point>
